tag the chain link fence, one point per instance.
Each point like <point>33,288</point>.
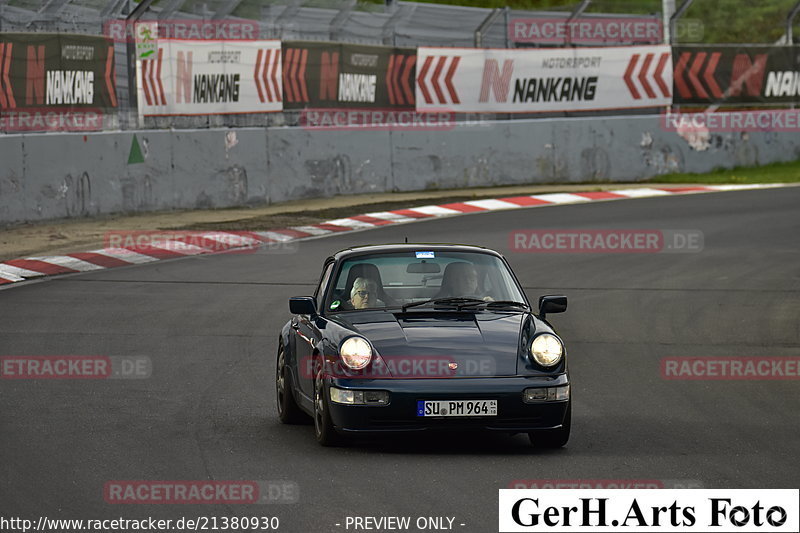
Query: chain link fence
<point>396,23</point>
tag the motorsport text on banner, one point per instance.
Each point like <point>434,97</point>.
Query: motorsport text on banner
<point>464,80</point>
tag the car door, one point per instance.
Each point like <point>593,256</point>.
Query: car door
<point>308,335</point>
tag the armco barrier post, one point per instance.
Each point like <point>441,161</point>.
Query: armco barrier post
<point>674,19</point>
<point>790,22</point>
<point>575,14</point>
<point>130,47</point>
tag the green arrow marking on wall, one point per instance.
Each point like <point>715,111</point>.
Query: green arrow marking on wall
<point>136,152</point>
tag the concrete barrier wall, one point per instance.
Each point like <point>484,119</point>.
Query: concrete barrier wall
<point>48,176</point>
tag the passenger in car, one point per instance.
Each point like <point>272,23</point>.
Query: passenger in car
<point>460,280</point>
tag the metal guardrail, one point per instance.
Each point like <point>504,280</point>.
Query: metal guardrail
<point>398,23</point>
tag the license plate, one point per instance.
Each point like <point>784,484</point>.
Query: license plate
<point>457,408</point>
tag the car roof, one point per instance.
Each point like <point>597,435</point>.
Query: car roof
<point>411,247</point>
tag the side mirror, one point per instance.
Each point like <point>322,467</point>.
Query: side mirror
<point>302,305</point>
<point>552,304</point>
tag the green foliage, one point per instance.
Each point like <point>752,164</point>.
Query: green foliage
<point>773,173</point>
<point>741,21</point>
<point>722,21</point>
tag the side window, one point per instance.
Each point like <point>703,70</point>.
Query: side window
<point>323,282</point>
<point>343,276</point>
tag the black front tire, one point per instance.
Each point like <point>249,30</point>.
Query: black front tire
<point>288,410</point>
<point>553,438</point>
<point>323,424</point>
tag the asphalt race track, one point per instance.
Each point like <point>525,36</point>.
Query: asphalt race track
<point>209,325</point>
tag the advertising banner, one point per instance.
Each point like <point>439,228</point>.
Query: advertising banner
<point>55,82</point>
<point>208,77</point>
<point>333,75</point>
<point>543,80</point>
<point>736,74</point>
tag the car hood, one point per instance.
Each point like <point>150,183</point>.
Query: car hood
<point>480,344</point>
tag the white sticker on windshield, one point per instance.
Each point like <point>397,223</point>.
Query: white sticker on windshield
<point>425,255</point>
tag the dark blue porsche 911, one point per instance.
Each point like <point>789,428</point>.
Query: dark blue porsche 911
<point>419,337</point>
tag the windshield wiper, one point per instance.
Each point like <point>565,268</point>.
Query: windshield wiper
<point>495,303</point>
<point>458,302</point>
<point>507,303</point>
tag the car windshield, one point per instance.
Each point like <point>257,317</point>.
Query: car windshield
<point>418,278</point>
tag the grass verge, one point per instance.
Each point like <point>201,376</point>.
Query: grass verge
<point>772,173</point>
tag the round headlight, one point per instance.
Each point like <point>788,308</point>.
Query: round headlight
<point>356,353</point>
<point>547,349</point>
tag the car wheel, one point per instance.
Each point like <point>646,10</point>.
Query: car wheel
<point>323,425</point>
<point>553,438</point>
<point>288,410</point>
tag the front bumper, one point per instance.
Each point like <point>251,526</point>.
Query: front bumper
<point>513,415</point>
